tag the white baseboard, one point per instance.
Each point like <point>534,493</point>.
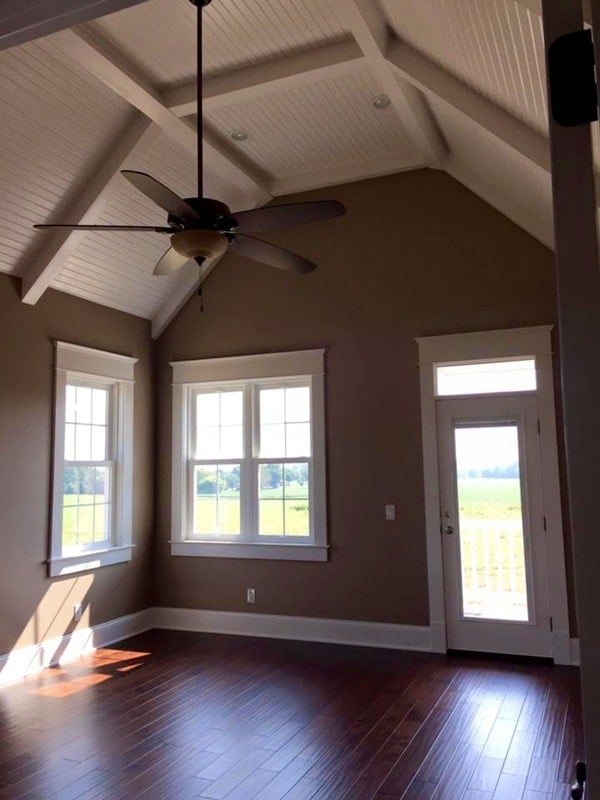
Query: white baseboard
<point>28,660</point>
<point>308,629</point>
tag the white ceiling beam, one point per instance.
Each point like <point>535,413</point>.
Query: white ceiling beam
<point>269,76</point>
<point>535,6</point>
<point>22,21</point>
<point>85,207</point>
<point>432,79</point>
<point>538,227</point>
<point>186,286</point>
<point>368,25</point>
<point>243,182</point>
<point>370,168</point>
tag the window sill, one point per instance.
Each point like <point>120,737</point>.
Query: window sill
<point>92,559</point>
<point>278,552</point>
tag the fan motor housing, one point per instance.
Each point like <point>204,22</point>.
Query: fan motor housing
<point>213,214</point>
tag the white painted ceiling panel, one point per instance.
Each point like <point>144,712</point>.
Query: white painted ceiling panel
<point>56,121</point>
<point>159,36</point>
<point>317,126</point>
<point>525,185</point>
<point>495,46</point>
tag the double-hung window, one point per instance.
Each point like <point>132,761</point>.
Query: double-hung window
<point>93,449</point>
<point>249,457</point>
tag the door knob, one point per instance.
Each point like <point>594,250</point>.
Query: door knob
<point>448,529</point>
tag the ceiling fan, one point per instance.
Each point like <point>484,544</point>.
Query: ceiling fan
<point>204,229</point>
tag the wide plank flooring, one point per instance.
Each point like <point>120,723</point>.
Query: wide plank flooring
<point>177,716</point>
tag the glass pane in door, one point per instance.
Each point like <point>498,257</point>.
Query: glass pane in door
<point>492,552</point>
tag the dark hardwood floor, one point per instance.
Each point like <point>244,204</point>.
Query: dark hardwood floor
<point>173,715</point>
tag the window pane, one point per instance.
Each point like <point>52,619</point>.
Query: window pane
<point>98,443</point>
<point>219,421</point>
<point>284,506</point>
<point>83,404</point>
<point>297,439</point>
<point>216,499</point>
<point>207,409</point>
<point>231,442</point>
<point>297,404</point>
<point>272,441</point>
<point>487,378</point>
<point>86,506</point>
<point>99,406</point>
<point>232,408</point>
<point>83,442</point>
<point>272,406</point>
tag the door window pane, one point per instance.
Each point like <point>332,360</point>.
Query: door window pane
<point>492,551</point>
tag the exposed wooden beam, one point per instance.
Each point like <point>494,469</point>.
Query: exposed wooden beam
<point>87,204</point>
<point>433,79</point>
<point>22,21</point>
<point>369,27</point>
<point>269,76</point>
<point>538,227</point>
<point>110,68</point>
<point>370,168</point>
<point>578,305</point>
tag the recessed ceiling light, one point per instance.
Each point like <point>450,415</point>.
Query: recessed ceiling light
<point>381,101</point>
<point>239,135</point>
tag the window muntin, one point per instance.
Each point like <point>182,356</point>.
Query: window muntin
<point>251,466</point>
<point>486,377</point>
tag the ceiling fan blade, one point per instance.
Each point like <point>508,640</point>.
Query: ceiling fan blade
<point>270,254</point>
<point>150,228</point>
<point>264,219</point>
<point>160,194</point>
<point>170,262</point>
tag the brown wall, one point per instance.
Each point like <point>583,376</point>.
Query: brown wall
<point>33,607</point>
<point>417,254</point>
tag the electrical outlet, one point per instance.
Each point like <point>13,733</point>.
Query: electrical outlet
<point>390,512</point>
<point>250,596</point>
<point>77,611</point>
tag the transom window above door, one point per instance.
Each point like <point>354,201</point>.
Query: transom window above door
<point>485,377</point>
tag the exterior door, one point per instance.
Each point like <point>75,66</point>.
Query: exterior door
<point>492,525</point>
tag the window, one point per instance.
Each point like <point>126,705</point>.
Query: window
<point>486,377</point>
<point>249,463</point>
<point>93,458</point>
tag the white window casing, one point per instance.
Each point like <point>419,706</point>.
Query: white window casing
<point>247,374</point>
<point>79,365</point>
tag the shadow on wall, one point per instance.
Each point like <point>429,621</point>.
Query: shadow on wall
<point>55,612</point>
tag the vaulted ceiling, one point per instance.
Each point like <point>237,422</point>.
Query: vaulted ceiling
<point>465,78</point>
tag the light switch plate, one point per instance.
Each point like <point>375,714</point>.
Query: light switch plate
<point>390,512</point>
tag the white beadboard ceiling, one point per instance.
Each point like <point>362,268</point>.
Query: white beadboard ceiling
<point>466,80</point>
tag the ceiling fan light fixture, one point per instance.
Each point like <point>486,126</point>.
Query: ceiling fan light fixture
<point>239,135</point>
<point>381,101</point>
<point>207,245</point>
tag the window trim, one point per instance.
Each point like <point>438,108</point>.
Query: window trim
<point>95,366</point>
<point>230,372</point>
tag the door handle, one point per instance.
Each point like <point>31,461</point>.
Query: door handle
<point>449,529</point>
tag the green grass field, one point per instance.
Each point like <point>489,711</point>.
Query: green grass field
<point>89,524</point>
<point>492,552</point>
<point>271,510</point>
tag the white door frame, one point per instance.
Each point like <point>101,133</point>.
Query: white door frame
<point>483,345</point>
